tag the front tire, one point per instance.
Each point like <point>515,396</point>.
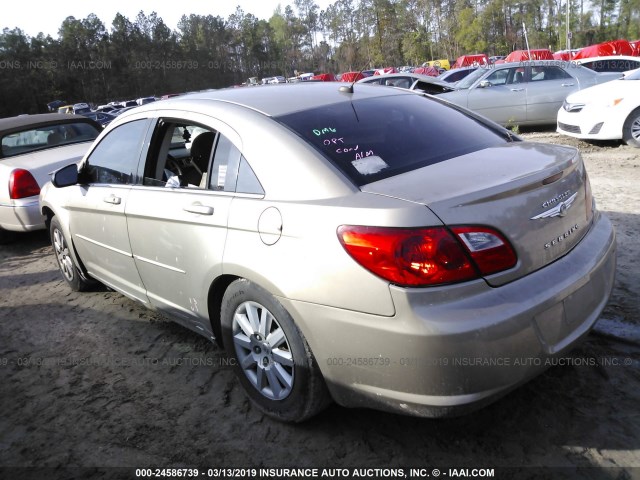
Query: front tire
<point>273,361</point>
<point>631,129</point>
<point>68,268</point>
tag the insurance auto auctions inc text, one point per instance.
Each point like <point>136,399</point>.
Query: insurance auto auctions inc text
<point>375,472</point>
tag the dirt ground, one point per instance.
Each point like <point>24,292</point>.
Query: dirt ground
<point>95,380</point>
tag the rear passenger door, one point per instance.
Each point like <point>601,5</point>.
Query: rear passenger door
<point>177,218</point>
<point>546,90</point>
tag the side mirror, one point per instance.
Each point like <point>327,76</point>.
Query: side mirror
<point>66,176</point>
<point>484,84</point>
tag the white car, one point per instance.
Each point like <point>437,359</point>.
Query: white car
<point>609,111</point>
<point>31,148</point>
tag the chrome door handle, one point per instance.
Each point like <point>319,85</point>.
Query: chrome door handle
<point>199,209</point>
<point>517,89</point>
<point>112,199</point>
<point>567,84</point>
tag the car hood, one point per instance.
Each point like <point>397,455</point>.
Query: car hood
<point>604,92</point>
<point>536,195</point>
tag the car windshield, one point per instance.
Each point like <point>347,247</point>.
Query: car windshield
<point>376,138</point>
<point>470,79</point>
<point>48,136</point>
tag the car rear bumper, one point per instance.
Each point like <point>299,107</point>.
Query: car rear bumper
<point>24,216</point>
<point>450,350</point>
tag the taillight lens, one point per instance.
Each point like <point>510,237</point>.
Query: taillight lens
<point>22,184</point>
<point>490,251</point>
<point>408,256</point>
<point>421,257</point>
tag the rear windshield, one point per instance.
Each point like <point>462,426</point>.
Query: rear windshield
<point>47,136</point>
<point>376,138</point>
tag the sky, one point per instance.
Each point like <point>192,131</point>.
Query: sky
<point>46,16</point>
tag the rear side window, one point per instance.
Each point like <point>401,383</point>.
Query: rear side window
<point>542,73</point>
<point>376,138</point>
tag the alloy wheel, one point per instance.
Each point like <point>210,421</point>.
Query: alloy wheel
<point>635,129</point>
<point>62,253</point>
<point>263,350</point>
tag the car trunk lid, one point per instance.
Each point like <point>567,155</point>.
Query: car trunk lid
<point>41,164</point>
<point>536,195</point>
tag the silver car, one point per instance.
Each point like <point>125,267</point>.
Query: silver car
<point>31,148</point>
<point>523,93</point>
<point>411,81</point>
<point>343,244</point>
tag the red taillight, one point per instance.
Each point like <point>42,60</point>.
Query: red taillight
<point>408,256</point>
<point>420,257</point>
<point>490,251</point>
<point>22,184</point>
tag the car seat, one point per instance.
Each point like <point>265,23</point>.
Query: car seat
<point>200,154</point>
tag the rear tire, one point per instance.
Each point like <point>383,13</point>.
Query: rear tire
<point>631,129</point>
<point>67,265</point>
<point>273,361</point>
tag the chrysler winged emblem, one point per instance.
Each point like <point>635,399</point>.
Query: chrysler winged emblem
<point>560,210</point>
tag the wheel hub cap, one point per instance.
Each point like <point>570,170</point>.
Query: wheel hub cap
<point>62,253</point>
<point>263,351</point>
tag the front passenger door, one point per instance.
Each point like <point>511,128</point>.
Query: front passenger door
<point>97,220</point>
<point>505,100</point>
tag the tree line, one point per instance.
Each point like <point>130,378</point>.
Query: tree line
<point>90,62</point>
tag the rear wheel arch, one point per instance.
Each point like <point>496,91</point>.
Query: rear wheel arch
<point>214,304</point>
<point>306,392</point>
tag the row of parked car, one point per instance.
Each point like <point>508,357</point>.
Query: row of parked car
<point>532,93</point>
<point>103,114</point>
<point>373,246</point>
<point>616,56</point>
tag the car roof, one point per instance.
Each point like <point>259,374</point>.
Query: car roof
<point>41,119</point>
<point>606,57</point>
<point>396,75</point>
<point>459,69</point>
<point>529,63</point>
<point>468,67</point>
<point>279,99</point>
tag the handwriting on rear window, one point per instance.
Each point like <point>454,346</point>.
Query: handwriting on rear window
<point>318,132</point>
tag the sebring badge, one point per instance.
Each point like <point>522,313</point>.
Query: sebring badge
<point>560,210</point>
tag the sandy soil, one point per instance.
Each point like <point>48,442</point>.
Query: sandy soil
<point>95,380</point>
